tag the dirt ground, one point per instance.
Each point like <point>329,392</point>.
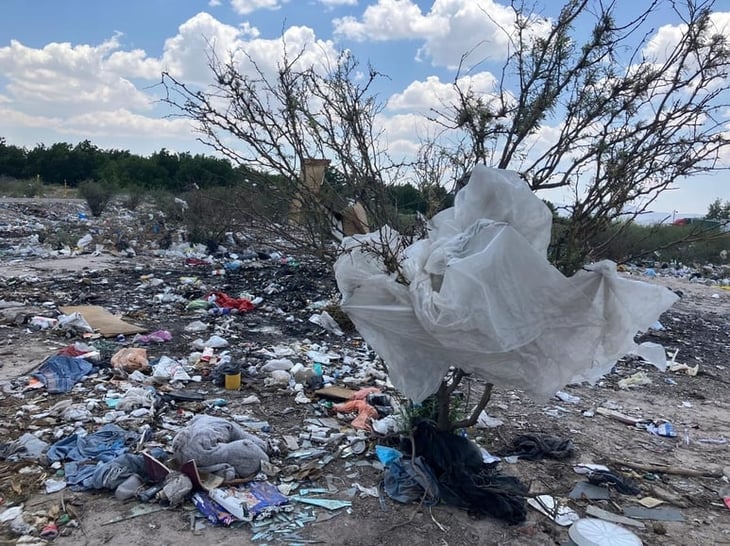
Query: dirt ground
<point>685,473</point>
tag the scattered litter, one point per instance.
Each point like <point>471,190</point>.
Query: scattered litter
<point>255,500</point>
<point>98,318</point>
<point>596,512</point>
<point>650,502</point>
<point>684,368</point>
<point>567,397</point>
<point>589,491</point>
<point>561,514</point>
<point>329,504</point>
<point>636,380</point>
<point>536,446</point>
<point>655,514</point>
<point>664,429</point>
<point>596,532</point>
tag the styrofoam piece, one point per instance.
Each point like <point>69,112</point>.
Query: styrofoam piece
<point>597,532</point>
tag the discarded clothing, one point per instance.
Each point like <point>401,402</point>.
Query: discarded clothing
<point>478,293</point>
<point>216,444</point>
<point>84,475</point>
<point>623,485</point>
<point>464,479</point>
<point>536,446</point>
<point>411,481</point>
<point>60,373</point>
<point>103,445</point>
<point>27,446</point>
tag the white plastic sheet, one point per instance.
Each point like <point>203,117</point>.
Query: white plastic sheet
<point>479,293</point>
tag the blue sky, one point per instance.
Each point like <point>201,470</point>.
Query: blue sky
<point>77,69</point>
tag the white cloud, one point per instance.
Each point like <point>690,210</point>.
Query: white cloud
<point>668,36</point>
<point>390,20</point>
<point>449,30</point>
<point>298,41</point>
<point>125,123</point>
<point>73,78</point>
<point>186,54</point>
<point>244,7</point>
<point>334,3</point>
<point>100,123</point>
<point>433,93</point>
<point>214,3</point>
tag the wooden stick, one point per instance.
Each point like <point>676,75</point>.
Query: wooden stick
<point>674,470</point>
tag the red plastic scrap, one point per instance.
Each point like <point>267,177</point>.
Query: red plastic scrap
<point>365,412</point>
<point>72,351</point>
<point>227,302</point>
<point>195,262</point>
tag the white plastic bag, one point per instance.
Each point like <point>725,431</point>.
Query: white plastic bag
<point>479,293</point>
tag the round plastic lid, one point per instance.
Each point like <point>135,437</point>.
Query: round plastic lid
<point>596,532</point>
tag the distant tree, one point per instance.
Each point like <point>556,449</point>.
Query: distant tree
<point>12,160</point>
<point>718,210</point>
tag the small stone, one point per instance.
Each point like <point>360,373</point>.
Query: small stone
<point>659,528</point>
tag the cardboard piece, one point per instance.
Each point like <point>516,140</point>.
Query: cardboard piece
<point>102,320</point>
<point>335,393</point>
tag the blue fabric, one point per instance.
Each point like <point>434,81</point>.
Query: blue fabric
<point>107,474</point>
<point>60,373</point>
<point>103,445</point>
<point>406,481</point>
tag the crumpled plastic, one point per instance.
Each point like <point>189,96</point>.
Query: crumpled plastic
<point>225,301</point>
<point>217,445</point>
<point>131,359</point>
<point>365,413</point>
<point>480,294</point>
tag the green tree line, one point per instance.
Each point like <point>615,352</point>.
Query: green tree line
<point>64,163</point>
<point>73,165</point>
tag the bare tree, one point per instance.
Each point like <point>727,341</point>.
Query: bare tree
<point>629,126</point>
<point>279,123</point>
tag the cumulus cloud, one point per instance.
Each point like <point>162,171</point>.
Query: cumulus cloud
<point>244,7</point>
<point>667,37</point>
<point>74,78</point>
<point>123,123</point>
<point>433,93</point>
<point>448,30</point>
<point>186,54</point>
<point>390,20</point>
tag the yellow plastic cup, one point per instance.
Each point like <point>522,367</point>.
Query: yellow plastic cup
<point>233,381</point>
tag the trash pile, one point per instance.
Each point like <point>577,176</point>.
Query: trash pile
<point>231,388</point>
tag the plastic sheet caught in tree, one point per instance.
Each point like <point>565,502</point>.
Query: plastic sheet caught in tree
<point>479,293</point>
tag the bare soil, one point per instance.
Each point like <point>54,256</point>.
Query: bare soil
<point>698,406</point>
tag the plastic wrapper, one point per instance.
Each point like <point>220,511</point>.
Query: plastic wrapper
<point>479,293</point>
<point>131,359</point>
